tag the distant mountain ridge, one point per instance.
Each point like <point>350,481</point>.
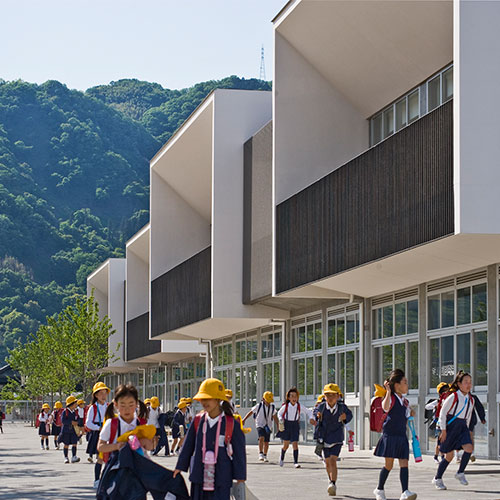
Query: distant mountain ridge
<point>74,183</point>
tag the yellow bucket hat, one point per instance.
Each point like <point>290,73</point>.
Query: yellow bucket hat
<point>211,388</point>
<point>147,400</point>
<point>155,402</point>
<point>268,397</point>
<point>58,405</point>
<point>182,404</point>
<point>45,406</point>
<point>99,386</point>
<point>70,400</point>
<point>441,385</point>
<point>379,391</point>
<point>229,393</point>
<point>332,389</point>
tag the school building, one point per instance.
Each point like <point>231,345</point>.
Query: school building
<point>332,230</point>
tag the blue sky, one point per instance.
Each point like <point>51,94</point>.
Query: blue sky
<point>175,43</point>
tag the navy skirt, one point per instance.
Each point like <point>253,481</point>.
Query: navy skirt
<point>68,437</point>
<point>176,432</point>
<point>220,493</point>
<point>93,440</point>
<point>44,429</point>
<point>291,432</point>
<point>457,435</point>
<point>56,430</point>
<point>393,447</point>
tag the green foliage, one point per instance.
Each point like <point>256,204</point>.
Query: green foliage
<point>74,184</point>
<point>66,353</point>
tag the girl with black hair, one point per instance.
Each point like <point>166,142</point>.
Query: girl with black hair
<point>454,421</point>
<point>289,424</point>
<point>214,446</point>
<point>394,443</point>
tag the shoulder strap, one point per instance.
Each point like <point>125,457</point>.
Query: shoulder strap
<point>454,404</point>
<point>228,434</point>
<point>298,411</point>
<point>258,410</point>
<point>114,429</point>
<point>197,421</point>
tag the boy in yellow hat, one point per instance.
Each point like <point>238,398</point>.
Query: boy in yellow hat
<point>264,414</point>
<point>332,416</point>
<point>179,427</point>
<point>153,416</point>
<point>43,426</point>
<point>434,406</point>
<point>93,423</point>
<point>214,448</point>
<point>69,436</point>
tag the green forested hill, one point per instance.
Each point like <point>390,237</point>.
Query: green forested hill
<point>74,184</point>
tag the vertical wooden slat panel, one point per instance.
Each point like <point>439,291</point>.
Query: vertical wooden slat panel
<point>138,343</point>
<point>395,196</point>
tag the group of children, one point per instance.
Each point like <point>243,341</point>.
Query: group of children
<point>212,444</point>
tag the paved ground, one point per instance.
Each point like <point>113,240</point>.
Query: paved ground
<point>28,473</point>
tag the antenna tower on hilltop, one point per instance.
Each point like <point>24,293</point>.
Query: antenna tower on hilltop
<point>262,75</point>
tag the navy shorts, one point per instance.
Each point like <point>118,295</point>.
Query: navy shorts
<point>333,451</point>
<point>263,433</point>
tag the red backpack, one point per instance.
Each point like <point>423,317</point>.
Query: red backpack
<point>114,431</point>
<point>228,434</point>
<point>377,414</point>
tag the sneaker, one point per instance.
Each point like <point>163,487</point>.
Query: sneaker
<point>438,483</point>
<point>43,447</point>
<point>379,494</point>
<point>297,466</point>
<point>460,476</point>
<point>89,460</point>
<point>332,489</point>
<point>266,459</point>
<point>75,460</point>
<point>282,462</point>
<point>472,458</point>
<point>47,448</point>
<point>408,495</point>
<point>96,484</point>
<point>66,460</point>
<point>261,457</point>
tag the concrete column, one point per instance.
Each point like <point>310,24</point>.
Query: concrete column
<point>423,363</point>
<point>365,369</point>
<point>492,361</point>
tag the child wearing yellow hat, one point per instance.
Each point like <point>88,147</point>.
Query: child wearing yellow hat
<point>264,413</point>
<point>43,426</point>
<point>153,416</point>
<point>179,426</point>
<point>56,423</point>
<point>434,406</point>
<point>214,448</point>
<point>332,416</point>
<point>93,423</point>
<point>69,436</point>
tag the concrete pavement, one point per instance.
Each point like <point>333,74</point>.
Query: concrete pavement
<point>27,472</point>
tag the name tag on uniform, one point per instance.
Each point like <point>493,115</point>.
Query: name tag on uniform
<point>221,440</point>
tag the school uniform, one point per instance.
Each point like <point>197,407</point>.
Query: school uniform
<point>330,428</point>
<point>68,434</point>
<point>123,427</point>
<point>56,422</point>
<point>153,416</point>
<point>263,415</point>
<point>290,414</point>
<point>227,468</point>
<point>80,419</point>
<point>94,422</point>
<point>43,427</point>
<point>178,420</point>
<point>455,418</point>
<point>394,442</point>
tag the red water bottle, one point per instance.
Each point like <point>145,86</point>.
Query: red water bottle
<point>350,441</point>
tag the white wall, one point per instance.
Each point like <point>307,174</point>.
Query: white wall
<point>316,129</point>
<point>177,231</point>
<point>476,116</point>
<point>137,286</point>
<point>116,305</point>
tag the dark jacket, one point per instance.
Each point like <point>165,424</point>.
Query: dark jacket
<point>479,410</point>
<point>226,469</point>
<point>330,430</point>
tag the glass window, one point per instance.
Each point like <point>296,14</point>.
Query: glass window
<point>388,326</point>
<point>350,371</point>
<point>252,349</point>
<point>309,376</point>
<point>413,106</point>
<point>341,379</point>
<point>400,310</point>
<point>252,385</point>
<point>400,356</point>
<point>386,361</point>
<point>447,83</point>
<point>277,378</point>
<point>388,122</point>
<point>447,309</point>
<point>401,114</point>
<point>277,343</point>
<point>267,346</point>
<point>481,358</point>
<point>434,93</point>
<point>340,332</point>
<point>435,362</point>
<point>412,316</point>
<point>377,129</point>
<point>413,368</point>
<point>301,375</point>
<point>331,333</point>
<point>463,306</point>
<point>318,334</point>
<point>463,352</point>
<point>301,339</point>
<point>433,312</point>
<point>331,368</point>
<point>319,374</point>
<point>479,302</point>
<point>351,329</point>
<point>268,376</point>
<point>310,337</point>
<point>378,323</point>
<point>447,359</point>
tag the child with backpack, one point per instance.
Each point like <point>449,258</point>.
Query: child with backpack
<point>69,436</point>
<point>43,426</point>
<point>289,424</point>
<point>264,414</point>
<point>454,421</point>
<point>434,406</point>
<point>332,416</point>
<point>394,442</point>
<point>125,401</point>
<point>214,448</point>
<point>179,427</point>
<point>56,423</point>
<point>93,424</point>
<point>153,418</point>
